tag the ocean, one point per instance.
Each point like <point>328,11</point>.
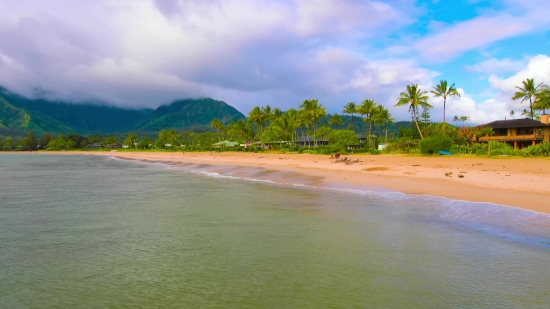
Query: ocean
<point>99,232</point>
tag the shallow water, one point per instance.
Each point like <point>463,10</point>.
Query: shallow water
<point>94,232</point>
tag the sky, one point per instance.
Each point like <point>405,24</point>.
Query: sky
<point>146,53</point>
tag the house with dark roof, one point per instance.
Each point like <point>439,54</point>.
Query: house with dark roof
<point>308,140</point>
<point>519,133</point>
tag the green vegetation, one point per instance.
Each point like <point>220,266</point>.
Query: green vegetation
<point>433,144</point>
<point>195,125</point>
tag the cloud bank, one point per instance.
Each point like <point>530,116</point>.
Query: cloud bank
<point>144,53</point>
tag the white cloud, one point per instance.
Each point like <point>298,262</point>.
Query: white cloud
<point>148,52</point>
<point>493,65</point>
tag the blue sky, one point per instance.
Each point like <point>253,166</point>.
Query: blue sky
<point>143,53</point>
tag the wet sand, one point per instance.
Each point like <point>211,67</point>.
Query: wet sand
<point>519,182</point>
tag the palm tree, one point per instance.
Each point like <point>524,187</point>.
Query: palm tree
<point>312,111</point>
<point>456,119</point>
<point>528,90</point>
<point>294,119</point>
<point>463,119</point>
<point>367,109</point>
<point>383,117</point>
<point>443,91</point>
<point>542,101</point>
<point>415,98</point>
<point>525,113</point>
<point>276,114</point>
<point>259,117</point>
<point>335,120</point>
<point>218,125</point>
<point>350,109</point>
<point>512,114</point>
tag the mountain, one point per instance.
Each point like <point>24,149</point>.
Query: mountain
<point>193,114</point>
<point>19,114</point>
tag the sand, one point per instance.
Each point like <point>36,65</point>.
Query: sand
<point>518,182</point>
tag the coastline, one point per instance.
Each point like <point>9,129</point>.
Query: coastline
<point>517,182</point>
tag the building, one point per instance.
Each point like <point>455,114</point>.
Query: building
<point>95,146</point>
<point>113,146</point>
<point>309,141</point>
<point>225,144</point>
<point>519,133</point>
<point>249,144</point>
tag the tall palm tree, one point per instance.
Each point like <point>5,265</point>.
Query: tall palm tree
<point>350,109</point>
<point>512,114</point>
<point>442,90</point>
<point>335,120</point>
<point>312,111</point>
<point>218,125</point>
<point>384,118</point>
<point>525,112</point>
<point>463,119</point>
<point>276,114</point>
<point>527,91</point>
<point>415,98</point>
<point>542,99</point>
<point>294,119</point>
<point>260,117</point>
<point>367,109</point>
<point>456,119</point>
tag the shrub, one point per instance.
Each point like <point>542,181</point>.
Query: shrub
<point>293,148</point>
<point>374,151</point>
<point>301,149</point>
<point>431,145</point>
<point>542,149</point>
<point>310,151</point>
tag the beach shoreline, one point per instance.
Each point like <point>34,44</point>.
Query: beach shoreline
<point>517,182</point>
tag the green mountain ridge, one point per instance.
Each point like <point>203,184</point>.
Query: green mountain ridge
<point>19,115</point>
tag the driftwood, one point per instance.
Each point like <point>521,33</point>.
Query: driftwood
<point>347,161</point>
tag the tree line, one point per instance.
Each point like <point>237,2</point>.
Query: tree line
<point>267,125</point>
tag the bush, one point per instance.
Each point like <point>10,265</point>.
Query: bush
<point>310,151</point>
<point>374,151</point>
<point>542,149</point>
<point>301,149</point>
<point>431,145</point>
<point>293,148</point>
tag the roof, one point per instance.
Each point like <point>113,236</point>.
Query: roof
<point>361,136</point>
<point>309,139</point>
<point>226,143</point>
<point>516,123</point>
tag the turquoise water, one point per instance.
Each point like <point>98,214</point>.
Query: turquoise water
<point>94,232</point>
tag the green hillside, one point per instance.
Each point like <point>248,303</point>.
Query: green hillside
<point>193,114</point>
<point>19,114</point>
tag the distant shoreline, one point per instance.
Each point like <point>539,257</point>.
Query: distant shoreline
<point>517,182</point>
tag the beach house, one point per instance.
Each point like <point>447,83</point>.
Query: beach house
<point>519,133</point>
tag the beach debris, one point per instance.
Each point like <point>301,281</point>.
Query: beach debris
<point>460,176</point>
<point>449,174</point>
<point>416,164</point>
<point>507,175</point>
<point>347,161</point>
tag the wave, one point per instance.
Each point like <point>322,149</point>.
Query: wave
<point>466,213</point>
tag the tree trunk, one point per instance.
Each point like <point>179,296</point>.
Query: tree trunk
<point>416,122</point>
<point>370,128</point>
<point>386,132</point>
<point>352,123</point>
<point>444,123</point>
<point>531,107</point>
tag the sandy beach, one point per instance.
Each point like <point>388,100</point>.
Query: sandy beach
<point>518,182</point>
